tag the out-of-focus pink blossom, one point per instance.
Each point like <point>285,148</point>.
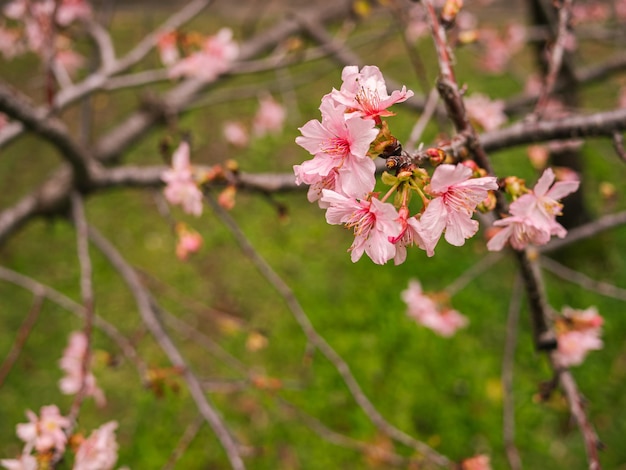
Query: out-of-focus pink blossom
<point>620,9</point>
<point>478,462</point>
<point>189,241</point>
<point>181,187</point>
<point>534,215</point>
<point>487,113</point>
<point>340,145</point>
<point>456,195</point>
<point>538,156</point>
<point>270,117</point>
<point>417,23</point>
<point>374,223</point>
<point>499,49</point>
<point>168,49</point>
<point>236,134</point>
<point>216,57</point>
<point>44,433</point>
<point>72,364</point>
<point>9,45</point>
<point>578,332</point>
<point>99,450</point>
<point>25,462</point>
<point>70,60</point>
<point>365,92</point>
<point>16,10</point>
<point>589,12</point>
<point>72,10</point>
<point>425,311</point>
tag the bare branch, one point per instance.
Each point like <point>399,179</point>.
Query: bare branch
<point>589,230</point>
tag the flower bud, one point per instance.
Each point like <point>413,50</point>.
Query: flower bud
<point>514,186</point>
<point>450,9</point>
<point>436,155</point>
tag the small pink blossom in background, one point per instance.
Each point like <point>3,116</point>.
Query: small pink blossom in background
<point>487,113</point>
<point>16,10</point>
<point>216,57</point>
<point>70,60</point>
<point>189,241</point>
<point>226,197</point>
<point>168,48</point>
<point>374,223</point>
<point>425,311</point>
<point>99,450</point>
<point>417,23</point>
<point>456,195</point>
<point>534,215</point>
<point>499,49</point>
<point>181,187</point>
<point>9,45</point>
<point>589,12</point>
<point>25,462</point>
<point>340,145</point>
<point>578,332</point>
<point>72,364</point>
<point>538,156</point>
<point>270,117</point>
<point>620,9</point>
<point>44,433</point>
<point>236,134</point>
<point>478,462</point>
<point>365,92</point>
<point>533,85</point>
<point>72,10</point>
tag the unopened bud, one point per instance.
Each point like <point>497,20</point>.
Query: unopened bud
<point>472,165</point>
<point>232,165</point>
<point>450,9</point>
<point>436,155</point>
<point>514,186</point>
<point>488,204</point>
<point>468,36</point>
<point>226,198</point>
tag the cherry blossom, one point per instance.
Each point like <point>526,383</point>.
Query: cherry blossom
<point>216,57</point>
<point>578,332</point>
<point>181,187</point>
<point>410,235</point>
<point>487,113</point>
<point>340,144</point>
<point>534,215</point>
<point>374,223</point>
<point>72,10</point>
<point>499,49</point>
<point>9,45</point>
<point>270,117</point>
<point>72,364</point>
<point>25,462</point>
<point>235,133</point>
<point>45,433</point>
<point>365,92</point>
<point>478,462</point>
<point>425,311</point>
<point>168,49</point>
<point>99,450</point>
<point>456,195</point>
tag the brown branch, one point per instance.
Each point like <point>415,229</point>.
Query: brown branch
<point>22,335</point>
<point>319,342</point>
<point>145,305</point>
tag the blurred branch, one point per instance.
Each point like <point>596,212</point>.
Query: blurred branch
<point>184,442</point>
<point>146,310</point>
<point>319,342</point>
<point>586,231</point>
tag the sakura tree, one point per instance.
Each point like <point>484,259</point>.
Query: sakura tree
<point>141,150</point>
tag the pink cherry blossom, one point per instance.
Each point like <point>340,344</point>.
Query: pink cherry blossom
<point>44,433</point>
<point>499,49</point>
<point>25,462</point>
<point>456,195</point>
<point>269,118</point>
<point>189,241</point>
<point>72,10</point>
<point>216,57</point>
<point>181,187</point>
<point>478,462</point>
<point>99,450</point>
<point>9,45</point>
<point>70,60</point>
<point>72,364</point>
<point>534,215</point>
<point>374,223</point>
<point>573,347</point>
<point>235,133</point>
<point>168,49</point>
<point>487,113</point>
<point>339,144</point>
<point>620,9</point>
<point>365,92</point>
<point>16,10</point>
<point>410,235</point>
<point>425,311</point>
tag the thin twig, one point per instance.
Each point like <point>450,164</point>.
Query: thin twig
<point>320,343</point>
<point>470,274</point>
<point>508,363</point>
<point>586,231</point>
<point>145,304</point>
<point>22,335</point>
<point>184,442</point>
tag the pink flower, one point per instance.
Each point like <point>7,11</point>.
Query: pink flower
<point>235,133</point>
<point>426,312</point>
<point>99,451</point>
<point>45,433</point>
<point>620,9</point>
<point>16,10</point>
<point>534,215</point>
<point>25,462</point>
<point>365,92</point>
<point>70,60</point>
<point>72,364</point>
<point>374,223</point>
<point>456,195</point>
<point>578,332</point>
<point>217,55</point>
<point>499,49</point>
<point>478,462</point>
<point>181,187</point>
<point>269,118</point>
<point>410,235</point>
<point>9,45</point>
<point>72,10</point>
<point>189,241</point>
<point>340,147</point>
<point>168,49</point>
<point>488,114</point>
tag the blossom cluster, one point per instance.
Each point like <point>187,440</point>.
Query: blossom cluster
<point>341,176</point>
<point>578,332</point>
<point>76,377</point>
<point>33,26</point>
